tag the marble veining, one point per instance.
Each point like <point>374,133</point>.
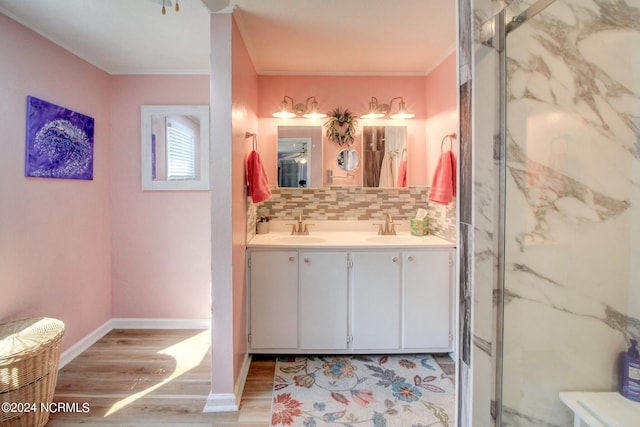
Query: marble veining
<point>483,345</point>
<point>573,192</point>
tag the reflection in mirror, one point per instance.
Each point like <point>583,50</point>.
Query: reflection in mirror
<point>348,159</point>
<point>294,162</point>
<point>299,156</point>
<point>175,141</point>
<point>385,156</point>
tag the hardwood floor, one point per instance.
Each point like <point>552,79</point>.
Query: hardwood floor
<point>159,378</point>
<point>154,378</point>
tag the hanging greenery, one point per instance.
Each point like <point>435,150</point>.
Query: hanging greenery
<point>341,127</point>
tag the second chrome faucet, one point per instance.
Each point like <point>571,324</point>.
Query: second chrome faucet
<point>298,229</point>
<point>388,228</point>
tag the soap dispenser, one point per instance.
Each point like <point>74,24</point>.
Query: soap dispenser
<point>630,372</point>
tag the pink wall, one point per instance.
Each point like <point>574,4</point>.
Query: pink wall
<point>234,99</point>
<point>244,116</point>
<point>87,251</point>
<point>223,348</point>
<point>441,110</point>
<point>160,239</point>
<point>55,243</point>
<point>353,93</point>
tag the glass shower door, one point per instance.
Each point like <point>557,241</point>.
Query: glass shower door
<point>571,283</point>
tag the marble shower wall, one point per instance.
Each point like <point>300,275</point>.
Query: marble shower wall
<point>572,285</point>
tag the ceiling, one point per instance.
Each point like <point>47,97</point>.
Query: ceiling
<point>283,37</point>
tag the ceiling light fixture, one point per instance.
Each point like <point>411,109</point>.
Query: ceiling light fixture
<point>289,109</point>
<point>303,156</point>
<point>377,110</point>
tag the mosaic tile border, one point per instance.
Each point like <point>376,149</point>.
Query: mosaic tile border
<point>356,204</point>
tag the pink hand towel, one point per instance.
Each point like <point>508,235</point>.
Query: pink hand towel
<point>402,174</point>
<point>257,182</point>
<point>443,187</point>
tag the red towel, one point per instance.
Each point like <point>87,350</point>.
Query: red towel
<point>443,187</point>
<point>257,182</point>
<point>402,174</point>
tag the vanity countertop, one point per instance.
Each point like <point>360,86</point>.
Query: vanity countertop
<point>344,234</point>
<point>345,239</point>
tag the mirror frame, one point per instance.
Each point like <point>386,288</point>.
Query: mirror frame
<point>200,111</point>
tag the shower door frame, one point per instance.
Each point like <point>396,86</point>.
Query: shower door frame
<point>500,30</point>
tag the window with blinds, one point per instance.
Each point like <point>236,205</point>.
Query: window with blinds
<point>181,146</point>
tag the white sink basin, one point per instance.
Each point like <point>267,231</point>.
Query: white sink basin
<point>300,239</point>
<point>393,239</point>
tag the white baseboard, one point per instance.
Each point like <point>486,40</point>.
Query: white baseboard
<point>242,377</point>
<point>229,402</point>
<point>221,402</point>
<point>124,323</point>
<point>76,349</point>
<point>143,323</point>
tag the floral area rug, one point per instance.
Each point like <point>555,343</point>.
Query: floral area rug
<point>350,391</point>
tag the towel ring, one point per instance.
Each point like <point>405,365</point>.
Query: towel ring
<point>450,136</point>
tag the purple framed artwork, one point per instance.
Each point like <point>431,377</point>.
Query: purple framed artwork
<point>59,142</point>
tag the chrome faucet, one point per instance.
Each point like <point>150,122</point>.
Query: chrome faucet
<point>388,229</point>
<point>298,230</point>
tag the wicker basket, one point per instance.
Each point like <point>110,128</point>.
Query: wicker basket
<point>29,358</point>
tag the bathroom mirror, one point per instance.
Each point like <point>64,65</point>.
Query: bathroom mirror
<point>348,159</point>
<point>175,147</point>
<point>385,156</point>
<point>299,156</point>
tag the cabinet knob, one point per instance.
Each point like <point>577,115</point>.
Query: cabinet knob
<point>411,258</point>
<point>395,259</point>
<point>307,260</point>
<point>292,259</point>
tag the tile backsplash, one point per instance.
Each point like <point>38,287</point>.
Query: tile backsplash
<point>354,203</point>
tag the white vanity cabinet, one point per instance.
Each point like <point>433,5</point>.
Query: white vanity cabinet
<point>402,300</point>
<point>376,300</point>
<point>273,301</point>
<point>323,299</point>
<point>352,300</point>
<point>427,299</point>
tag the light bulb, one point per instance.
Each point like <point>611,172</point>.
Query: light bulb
<point>314,115</point>
<point>284,114</point>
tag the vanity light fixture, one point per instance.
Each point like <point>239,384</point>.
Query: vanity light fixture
<point>168,3</point>
<point>286,110</point>
<point>402,111</point>
<point>289,109</point>
<point>313,113</point>
<point>377,110</point>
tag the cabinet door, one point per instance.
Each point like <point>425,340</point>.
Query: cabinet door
<point>427,299</point>
<point>323,287</point>
<point>274,299</point>
<point>376,300</point>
